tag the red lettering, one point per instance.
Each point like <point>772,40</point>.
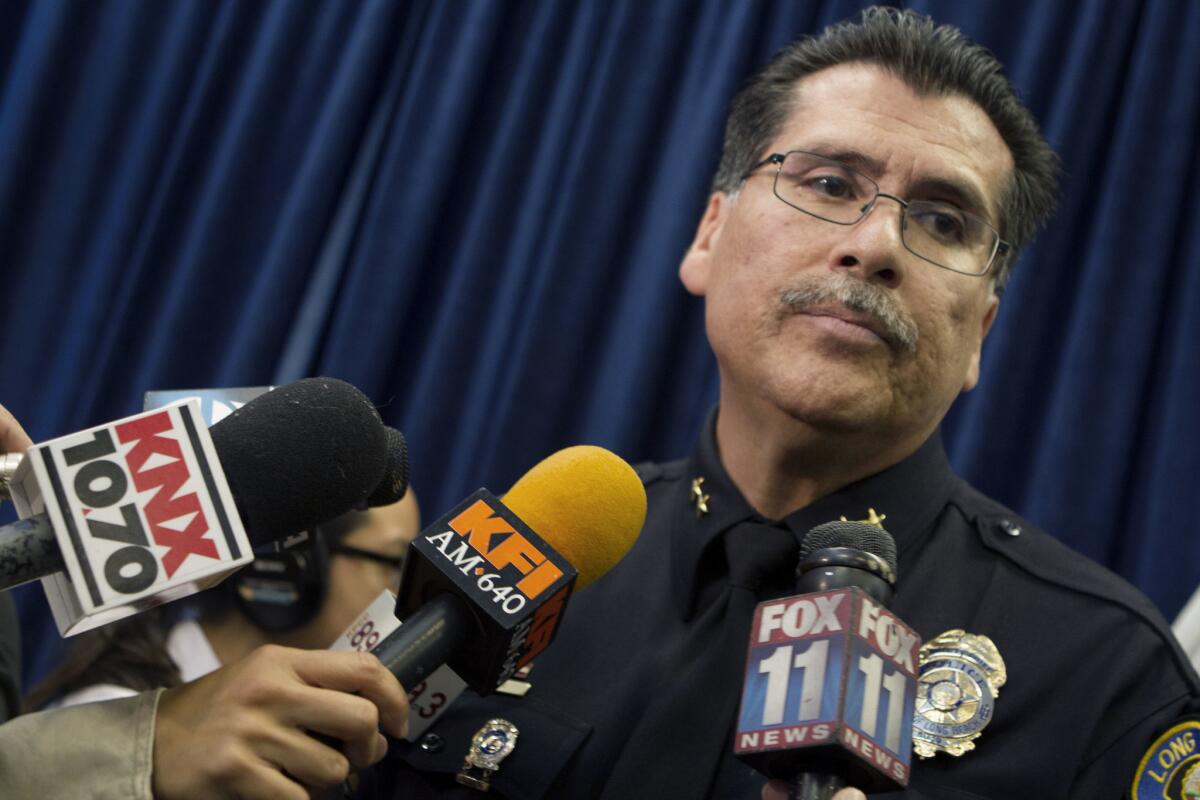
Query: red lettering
<point>165,506</point>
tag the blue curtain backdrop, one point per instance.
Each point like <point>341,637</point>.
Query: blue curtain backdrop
<point>474,211</point>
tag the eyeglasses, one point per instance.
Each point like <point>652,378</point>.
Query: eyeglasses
<point>940,233</point>
<point>395,562</point>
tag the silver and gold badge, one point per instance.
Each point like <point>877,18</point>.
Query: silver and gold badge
<point>960,677</point>
<point>490,745</point>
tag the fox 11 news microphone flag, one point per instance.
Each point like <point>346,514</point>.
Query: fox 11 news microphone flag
<point>98,485</point>
<point>830,683</point>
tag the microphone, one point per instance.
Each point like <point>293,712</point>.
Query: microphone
<point>217,404</point>
<point>484,587</point>
<point>394,483</point>
<point>829,691</point>
<point>150,508</point>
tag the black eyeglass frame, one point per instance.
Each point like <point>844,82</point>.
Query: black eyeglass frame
<point>1000,248</point>
<point>395,562</point>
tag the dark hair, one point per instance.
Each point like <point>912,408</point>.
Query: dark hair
<point>133,652</point>
<point>931,59</point>
<point>130,653</point>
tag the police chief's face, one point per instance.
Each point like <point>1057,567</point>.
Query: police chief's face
<point>824,365</point>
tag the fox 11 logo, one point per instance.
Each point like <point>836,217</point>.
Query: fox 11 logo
<point>830,677</point>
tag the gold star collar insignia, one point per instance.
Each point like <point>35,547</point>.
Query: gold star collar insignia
<point>699,498</point>
<point>872,517</point>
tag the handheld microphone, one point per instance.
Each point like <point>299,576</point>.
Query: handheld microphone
<point>394,484</point>
<point>828,697</point>
<point>150,508</point>
<point>218,404</point>
<point>484,587</point>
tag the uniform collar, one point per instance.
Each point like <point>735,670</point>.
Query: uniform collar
<point>909,494</point>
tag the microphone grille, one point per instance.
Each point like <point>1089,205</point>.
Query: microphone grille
<point>587,503</point>
<point>394,484</point>
<point>300,455</point>
<point>858,535</point>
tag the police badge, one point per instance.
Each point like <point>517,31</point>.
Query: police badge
<point>490,745</point>
<point>960,678</point>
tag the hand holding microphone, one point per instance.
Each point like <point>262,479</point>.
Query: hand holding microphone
<point>13,443</point>
<point>244,730</point>
<point>241,729</point>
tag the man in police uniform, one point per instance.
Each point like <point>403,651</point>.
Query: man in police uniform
<point>876,185</point>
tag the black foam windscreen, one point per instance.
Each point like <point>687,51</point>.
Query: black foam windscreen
<point>300,455</point>
<point>858,535</point>
<point>395,474</point>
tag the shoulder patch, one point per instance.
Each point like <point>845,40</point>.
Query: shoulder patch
<point>1170,769</point>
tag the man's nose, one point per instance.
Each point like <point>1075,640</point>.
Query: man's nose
<point>873,246</point>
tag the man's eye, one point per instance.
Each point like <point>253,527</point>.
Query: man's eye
<point>831,186</point>
<point>943,225</point>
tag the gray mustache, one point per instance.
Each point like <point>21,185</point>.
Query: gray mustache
<point>857,296</point>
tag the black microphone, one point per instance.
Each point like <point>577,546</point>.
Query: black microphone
<point>830,683</point>
<point>293,458</point>
<point>394,483</point>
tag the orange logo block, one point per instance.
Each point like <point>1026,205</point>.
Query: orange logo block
<point>482,526</point>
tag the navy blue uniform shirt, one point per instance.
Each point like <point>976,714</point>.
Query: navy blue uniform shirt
<point>1093,672</point>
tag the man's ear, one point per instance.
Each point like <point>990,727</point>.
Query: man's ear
<point>697,261</point>
<point>989,316</point>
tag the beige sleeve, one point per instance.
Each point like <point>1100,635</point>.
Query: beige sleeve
<point>95,750</point>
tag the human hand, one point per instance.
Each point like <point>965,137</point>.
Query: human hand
<point>13,438</point>
<point>777,790</point>
<point>244,730</point>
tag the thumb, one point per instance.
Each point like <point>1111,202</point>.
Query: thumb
<point>849,793</point>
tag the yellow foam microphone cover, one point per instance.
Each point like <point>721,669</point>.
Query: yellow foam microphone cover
<point>587,503</point>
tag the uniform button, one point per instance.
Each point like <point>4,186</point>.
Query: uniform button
<point>1010,528</point>
<point>432,743</point>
